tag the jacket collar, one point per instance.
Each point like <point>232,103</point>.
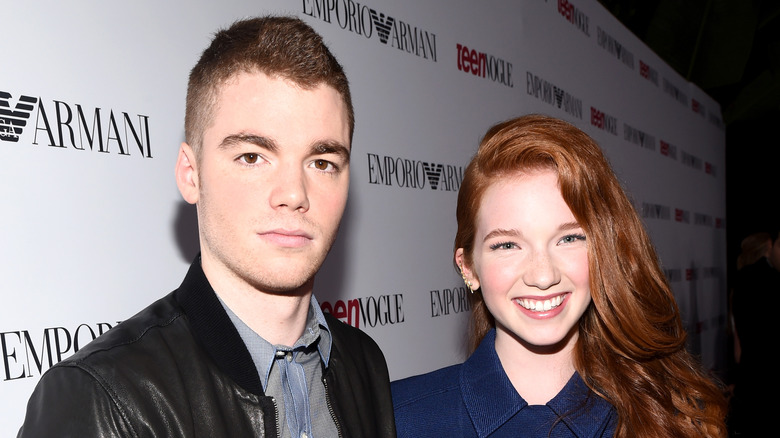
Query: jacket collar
<point>213,330</point>
<point>491,400</point>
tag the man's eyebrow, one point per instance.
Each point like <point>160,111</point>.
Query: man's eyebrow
<point>234,140</point>
<point>318,148</point>
<point>331,147</point>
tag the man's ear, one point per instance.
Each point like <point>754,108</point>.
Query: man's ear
<point>187,178</point>
<point>468,275</point>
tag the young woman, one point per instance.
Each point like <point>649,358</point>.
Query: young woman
<point>575,332</point>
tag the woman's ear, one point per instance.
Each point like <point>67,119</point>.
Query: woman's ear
<point>469,276</point>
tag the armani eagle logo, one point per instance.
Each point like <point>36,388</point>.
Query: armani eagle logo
<point>13,120</point>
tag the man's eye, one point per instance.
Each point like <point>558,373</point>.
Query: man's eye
<point>250,158</point>
<point>322,164</point>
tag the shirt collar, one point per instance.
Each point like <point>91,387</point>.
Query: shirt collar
<point>488,394</point>
<point>316,324</point>
<point>263,352</point>
<point>583,418</point>
<point>491,399</point>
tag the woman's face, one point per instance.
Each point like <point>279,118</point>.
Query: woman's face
<point>530,260</point>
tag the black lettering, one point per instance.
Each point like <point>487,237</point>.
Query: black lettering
<point>435,303</point>
<point>399,311</point>
<point>10,354</point>
<point>97,129</point>
<point>58,106</point>
<point>41,115</point>
<point>91,332</point>
<point>143,122</point>
<point>30,349</point>
<point>113,128</point>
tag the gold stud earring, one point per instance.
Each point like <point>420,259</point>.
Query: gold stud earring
<point>466,280</point>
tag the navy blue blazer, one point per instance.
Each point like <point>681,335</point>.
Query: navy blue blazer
<point>476,399</point>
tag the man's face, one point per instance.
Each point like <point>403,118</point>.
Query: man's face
<point>271,183</point>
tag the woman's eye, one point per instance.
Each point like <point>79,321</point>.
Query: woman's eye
<point>573,238</point>
<point>502,245</point>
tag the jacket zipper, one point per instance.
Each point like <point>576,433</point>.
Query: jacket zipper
<point>330,408</point>
<point>276,414</point>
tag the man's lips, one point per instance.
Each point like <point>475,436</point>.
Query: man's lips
<point>286,238</point>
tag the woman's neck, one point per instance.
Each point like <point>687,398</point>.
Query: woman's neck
<point>537,373</point>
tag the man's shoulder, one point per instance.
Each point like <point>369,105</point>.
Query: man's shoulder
<point>354,351</point>
<point>142,331</point>
<point>347,335</point>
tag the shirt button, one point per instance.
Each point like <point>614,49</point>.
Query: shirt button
<point>304,435</point>
<point>289,359</point>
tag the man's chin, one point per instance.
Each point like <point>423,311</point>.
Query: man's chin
<point>280,284</point>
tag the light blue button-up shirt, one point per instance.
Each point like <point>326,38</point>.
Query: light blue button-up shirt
<point>293,374</point>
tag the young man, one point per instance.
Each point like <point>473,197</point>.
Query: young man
<point>242,347</point>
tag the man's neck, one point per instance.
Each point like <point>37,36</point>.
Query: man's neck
<point>278,317</point>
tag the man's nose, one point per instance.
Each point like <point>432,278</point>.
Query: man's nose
<point>289,188</point>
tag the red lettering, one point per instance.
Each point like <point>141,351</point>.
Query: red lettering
<point>482,64</point>
<point>471,61</point>
<point>596,118</point>
<point>463,58</point>
<point>565,8</point>
<point>348,312</point>
<point>474,59</point>
<point>644,69</point>
<point>340,310</point>
<point>353,308</point>
<point>664,148</point>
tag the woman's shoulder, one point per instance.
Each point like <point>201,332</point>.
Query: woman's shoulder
<point>430,404</point>
<point>425,387</point>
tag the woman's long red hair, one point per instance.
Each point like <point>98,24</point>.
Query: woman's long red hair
<point>631,344</point>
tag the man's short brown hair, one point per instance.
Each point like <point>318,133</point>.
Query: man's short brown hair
<point>277,46</point>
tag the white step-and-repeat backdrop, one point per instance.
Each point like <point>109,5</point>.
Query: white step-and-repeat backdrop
<point>92,227</point>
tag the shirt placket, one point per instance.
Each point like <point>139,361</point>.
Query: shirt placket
<point>295,394</point>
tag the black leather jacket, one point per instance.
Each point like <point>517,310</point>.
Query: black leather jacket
<point>180,369</point>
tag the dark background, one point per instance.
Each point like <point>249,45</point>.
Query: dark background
<point>731,50</point>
